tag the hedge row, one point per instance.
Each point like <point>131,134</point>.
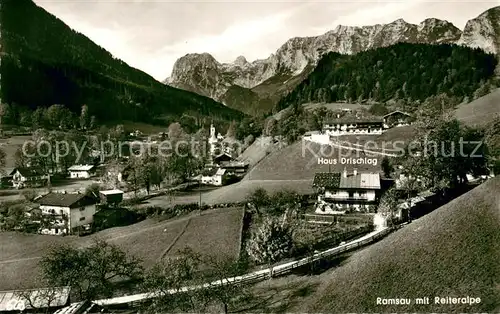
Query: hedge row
<point>181,209</point>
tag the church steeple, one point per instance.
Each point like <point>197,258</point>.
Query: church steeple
<point>212,131</point>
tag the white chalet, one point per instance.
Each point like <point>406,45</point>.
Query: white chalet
<point>72,211</point>
<point>81,171</point>
<point>338,192</point>
<point>214,176</point>
<point>337,127</point>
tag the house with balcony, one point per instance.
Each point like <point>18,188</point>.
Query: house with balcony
<point>353,126</point>
<point>71,212</point>
<point>339,192</point>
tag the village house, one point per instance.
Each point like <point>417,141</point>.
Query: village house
<point>221,159</point>
<point>28,178</point>
<point>349,126</point>
<point>72,212</point>
<point>396,118</point>
<point>81,171</point>
<point>214,176</point>
<point>339,192</point>
<point>237,168</point>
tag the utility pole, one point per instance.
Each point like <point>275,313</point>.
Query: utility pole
<point>199,189</point>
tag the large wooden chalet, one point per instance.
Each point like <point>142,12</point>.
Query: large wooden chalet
<point>338,192</point>
<point>28,178</point>
<point>348,126</point>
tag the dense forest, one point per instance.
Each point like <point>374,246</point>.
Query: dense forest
<point>44,62</point>
<point>408,72</point>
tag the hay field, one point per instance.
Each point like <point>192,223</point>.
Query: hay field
<point>214,231</point>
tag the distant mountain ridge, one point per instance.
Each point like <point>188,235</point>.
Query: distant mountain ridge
<point>45,62</point>
<point>261,83</point>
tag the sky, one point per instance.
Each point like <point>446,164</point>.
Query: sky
<point>152,34</point>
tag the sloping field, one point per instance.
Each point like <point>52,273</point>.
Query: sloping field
<point>329,106</point>
<point>452,252</point>
<point>218,232</point>
<point>335,106</point>
<point>149,240</point>
<point>9,146</point>
<point>299,161</point>
<point>257,151</point>
<point>480,111</point>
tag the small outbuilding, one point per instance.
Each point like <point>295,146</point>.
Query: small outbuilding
<point>111,197</point>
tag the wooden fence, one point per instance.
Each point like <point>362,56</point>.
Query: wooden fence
<point>261,274</point>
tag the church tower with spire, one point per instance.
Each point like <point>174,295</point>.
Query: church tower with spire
<point>212,141</point>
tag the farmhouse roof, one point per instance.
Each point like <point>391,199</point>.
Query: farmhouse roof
<point>220,172</point>
<point>223,156</point>
<point>327,179</point>
<point>353,120</point>
<point>209,172</point>
<point>111,192</point>
<point>73,308</point>
<point>15,300</point>
<point>28,172</point>
<point>337,181</point>
<point>66,200</point>
<point>397,111</point>
<point>81,167</point>
<point>235,164</point>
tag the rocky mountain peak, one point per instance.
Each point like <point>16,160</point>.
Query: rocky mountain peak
<point>195,59</point>
<point>300,53</point>
<point>483,31</point>
<point>240,61</point>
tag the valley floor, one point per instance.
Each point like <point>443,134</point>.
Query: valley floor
<point>218,230</point>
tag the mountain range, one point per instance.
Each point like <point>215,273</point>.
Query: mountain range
<point>58,65</point>
<point>255,87</point>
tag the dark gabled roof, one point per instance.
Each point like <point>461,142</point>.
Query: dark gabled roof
<point>336,180</point>
<point>223,156</point>
<point>66,200</point>
<point>28,172</point>
<point>234,164</point>
<point>209,172</point>
<point>327,179</point>
<point>397,111</point>
<point>353,120</point>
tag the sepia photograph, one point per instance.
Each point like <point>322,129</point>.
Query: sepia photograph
<point>265,156</point>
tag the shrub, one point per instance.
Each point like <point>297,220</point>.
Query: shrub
<point>271,242</point>
<point>29,195</point>
<point>93,190</point>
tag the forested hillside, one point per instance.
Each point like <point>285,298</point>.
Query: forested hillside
<point>408,72</point>
<point>44,62</point>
